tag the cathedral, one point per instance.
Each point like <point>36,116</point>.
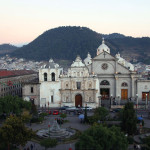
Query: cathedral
<point>104,80</point>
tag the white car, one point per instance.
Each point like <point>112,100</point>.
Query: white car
<point>73,108</point>
<point>88,108</point>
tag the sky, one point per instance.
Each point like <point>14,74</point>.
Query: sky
<point>21,21</point>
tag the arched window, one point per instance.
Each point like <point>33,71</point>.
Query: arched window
<point>104,82</point>
<point>124,84</point>
<point>45,76</point>
<point>53,76</point>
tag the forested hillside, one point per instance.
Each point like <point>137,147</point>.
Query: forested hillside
<point>7,48</point>
<point>66,43</point>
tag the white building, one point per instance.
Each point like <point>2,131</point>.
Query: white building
<point>101,80</point>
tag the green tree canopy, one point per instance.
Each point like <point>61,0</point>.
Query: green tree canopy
<point>102,138</point>
<point>100,114</point>
<point>129,119</point>
<point>13,104</point>
<point>14,132</point>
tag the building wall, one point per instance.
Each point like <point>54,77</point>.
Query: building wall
<point>13,85</point>
<point>142,86</point>
<point>28,95</point>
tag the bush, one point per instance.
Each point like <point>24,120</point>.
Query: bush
<point>63,115</point>
<point>26,117</point>
<point>49,142</point>
<point>43,114</point>
<point>130,140</point>
<point>37,119</point>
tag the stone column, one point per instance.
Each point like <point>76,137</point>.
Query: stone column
<point>132,86</point>
<point>116,88</point>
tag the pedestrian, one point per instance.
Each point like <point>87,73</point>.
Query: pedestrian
<point>134,146</point>
<point>31,146</point>
<point>28,148</point>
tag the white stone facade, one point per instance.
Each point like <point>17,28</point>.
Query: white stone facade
<point>92,82</point>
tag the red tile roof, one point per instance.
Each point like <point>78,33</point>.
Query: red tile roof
<point>9,73</point>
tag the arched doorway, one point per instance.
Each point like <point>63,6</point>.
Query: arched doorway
<point>78,100</point>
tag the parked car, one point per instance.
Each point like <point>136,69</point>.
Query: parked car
<point>63,108</point>
<point>88,108</point>
<point>56,112</point>
<point>73,108</point>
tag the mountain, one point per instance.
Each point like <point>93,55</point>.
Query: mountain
<point>66,43</point>
<point>113,36</point>
<point>7,48</point>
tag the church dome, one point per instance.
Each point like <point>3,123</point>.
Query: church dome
<point>51,64</point>
<point>103,47</point>
<point>77,62</point>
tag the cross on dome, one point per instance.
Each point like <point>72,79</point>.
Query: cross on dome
<point>103,47</point>
<point>103,41</point>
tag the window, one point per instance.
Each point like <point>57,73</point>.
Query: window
<point>124,84</point>
<point>67,99</point>
<point>45,76</point>
<point>104,82</point>
<point>78,85</point>
<point>67,86</point>
<point>90,99</point>
<point>53,76</point>
<point>90,85</point>
<point>31,89</point>
<point>52,100</point>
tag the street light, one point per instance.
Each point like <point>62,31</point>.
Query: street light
<point>136,101</point>
<point>48,106</point>
<point>146,102</point>
<point>49,129</point>
<point>111,100</point>
<point>99,97</point>
<point>118,99</point>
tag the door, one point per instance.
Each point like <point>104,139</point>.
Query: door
<point>78,100</point>
<point>144,95</point>
<point>124,94</point>
<point>105,93</point>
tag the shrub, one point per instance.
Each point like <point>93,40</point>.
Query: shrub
<point>130,140</point>
<point>49,142</point>
<point>63,115</point>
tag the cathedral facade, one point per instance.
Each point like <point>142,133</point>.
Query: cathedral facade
<point>102,80</point>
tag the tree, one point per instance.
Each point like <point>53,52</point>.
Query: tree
<point>85,115</point>
<point>13,105</point>
<point>129,119</point>
<point>14,132</point>
<point>102,138</point>
<point>48,143</point>
<point>102,113</point>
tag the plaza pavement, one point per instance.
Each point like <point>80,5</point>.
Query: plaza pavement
<point>74,122</point>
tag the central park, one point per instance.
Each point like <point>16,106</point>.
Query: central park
<point>99,129</point>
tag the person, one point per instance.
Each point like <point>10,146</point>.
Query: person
<point>134,146</point>
<point>31,146</point>
<point>28,148</point>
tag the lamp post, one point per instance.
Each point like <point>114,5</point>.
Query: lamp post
<point>111,100</point>
<point>48,106</point>
<point>146,102</point>
<point>118,99</point>
<point>99,97</point>
<point>45,107</point>
<point>136,101</point>
<point>49,129</point>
